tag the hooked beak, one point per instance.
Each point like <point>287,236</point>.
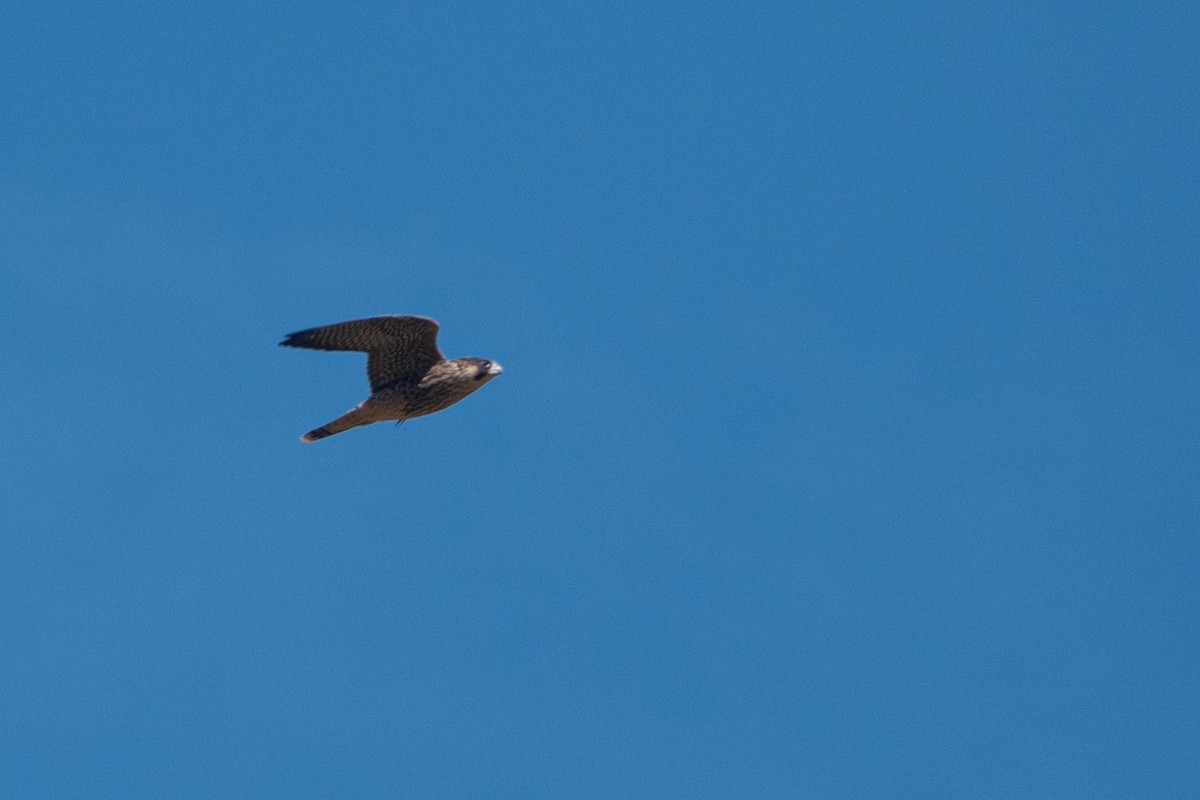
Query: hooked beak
<point>495,369</point>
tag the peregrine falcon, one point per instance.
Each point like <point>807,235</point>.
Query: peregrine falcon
<point>409,376</point>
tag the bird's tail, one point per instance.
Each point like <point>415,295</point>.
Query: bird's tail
<point>345,422</point>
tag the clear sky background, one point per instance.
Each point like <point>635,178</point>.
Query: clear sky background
<point>847,445</point>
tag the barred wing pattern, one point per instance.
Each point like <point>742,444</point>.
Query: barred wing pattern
<point>397,347</point>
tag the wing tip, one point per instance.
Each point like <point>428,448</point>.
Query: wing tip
<point>301,339</point>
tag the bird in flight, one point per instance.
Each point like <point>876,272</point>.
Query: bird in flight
<point>409,376</point>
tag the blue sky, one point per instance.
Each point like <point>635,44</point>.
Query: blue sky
<point>847,445</point>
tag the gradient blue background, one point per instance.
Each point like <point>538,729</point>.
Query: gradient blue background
<point>847,445</point>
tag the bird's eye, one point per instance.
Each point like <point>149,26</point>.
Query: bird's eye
<point>487,365</point>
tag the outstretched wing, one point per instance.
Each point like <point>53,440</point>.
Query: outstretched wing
<point>397,347</point>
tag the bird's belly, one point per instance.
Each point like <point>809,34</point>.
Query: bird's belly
<point>417,401</point>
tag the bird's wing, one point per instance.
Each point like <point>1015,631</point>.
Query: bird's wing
<point>397,347</point>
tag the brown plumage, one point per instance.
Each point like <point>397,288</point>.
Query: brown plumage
<point>409,376</point>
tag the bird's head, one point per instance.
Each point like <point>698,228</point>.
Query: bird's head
<point>480,369</point>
